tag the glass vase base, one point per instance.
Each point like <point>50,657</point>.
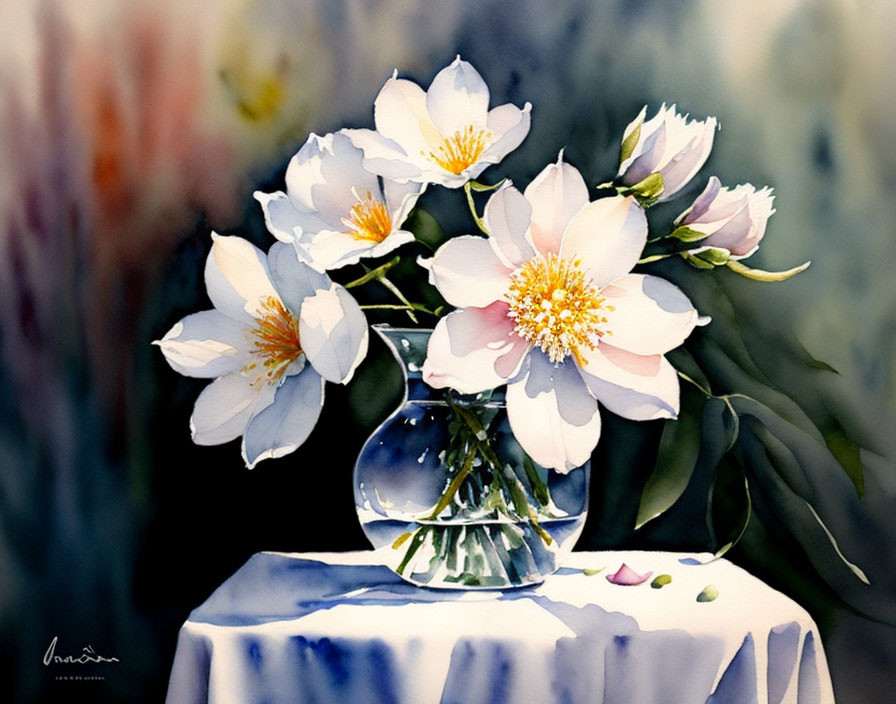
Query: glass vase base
<point>484,554</point>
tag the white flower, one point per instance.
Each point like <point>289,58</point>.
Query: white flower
<point>733,220</point>
<point>334,211</point>
<point>668,144</point>
<point>547,306</point>
<point>277,331</point>
<point>446,135</point>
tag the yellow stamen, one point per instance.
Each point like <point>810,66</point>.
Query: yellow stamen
<point>461,150</point>
<point>556,308</point>
<point>368,219</point>
<point>277,342</point>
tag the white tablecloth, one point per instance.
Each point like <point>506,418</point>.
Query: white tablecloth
<point>339,627</point>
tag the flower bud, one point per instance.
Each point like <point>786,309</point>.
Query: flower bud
<point>733,220</point>
<point>669,145</point>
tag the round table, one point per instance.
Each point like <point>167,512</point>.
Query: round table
<point>341,627</point>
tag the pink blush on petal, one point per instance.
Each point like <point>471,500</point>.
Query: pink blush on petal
<point>644,365</point>
<point>627,577</point>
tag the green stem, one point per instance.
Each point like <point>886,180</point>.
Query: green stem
<point>400,296</point>
<point>453,486</point>
<point>761,275</point>
<point>399,306</point>
<point>705,391</point>
<point>517,494</point>
<point>656,257</point>
<point>469,191</point>
<point>416,542</point>
<point>377,273</point>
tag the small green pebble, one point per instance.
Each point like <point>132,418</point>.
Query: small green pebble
<point>589,572</point>
<point>709,593</point>
<point>661,581</point>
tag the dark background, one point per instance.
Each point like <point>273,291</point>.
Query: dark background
<point>129,130</point>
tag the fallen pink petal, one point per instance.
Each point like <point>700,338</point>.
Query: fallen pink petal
<point>627,577</point>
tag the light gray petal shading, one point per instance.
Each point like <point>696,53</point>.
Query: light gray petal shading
<point>225,407</point>
<point>457,97</point>
<point>284,220</point>
<point>575,404</point>
<point>507,216</point>
<point>295,281</point>
<point>384,156</point>
<point>287,422</point>
<point>333,333</point>
<point>206,344</point>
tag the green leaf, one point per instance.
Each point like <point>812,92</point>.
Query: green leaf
<point>761,275</point>
<point>661,581</point>
<point>687,366</point>
<point>648,190</point>
<point>713,255</point>
<point>848,455</point>
<point>629,143</point>
<point>591,571</point>
<point>425,228</point>
<point>677,457</point>
<point>686,234</point>
<point>730,507</point>
<point>806,358</point>
<point>697,262</point>
<point>854,568</point>
<point>710,593</point>
<point>802,464</point>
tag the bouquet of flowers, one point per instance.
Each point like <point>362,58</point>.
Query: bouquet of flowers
<point>554,303</point>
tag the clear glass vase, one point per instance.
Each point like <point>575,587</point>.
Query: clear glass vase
<point>447,495</point>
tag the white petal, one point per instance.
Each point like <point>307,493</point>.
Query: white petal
<point>556,194</point>
<point>333,250</point>
<point>467,272</point>
<point>333,333</point>
<point>682,167</point>
<point>509,126</point>
<point>632,386</point>
<point>286,423</point>
<point>648,315</point>
<point>237,277</point>
<point>206,344</point>
<point>473,349</point>
<point>342,176</point>
<point>401,199</point>
<point>737,233</point>
<point>702,203</point>
<point>286,222</point>
<point>540,425</point>
<point>303,170</point>
<point>507,216</point>
<point>400,114</point>
<point>295,280</point>
<point>457,97</point>
<point>575,403</point>
<point>224,408</point>
<point>608,237</point>
<point>384,156</point>
<point>648,154</point>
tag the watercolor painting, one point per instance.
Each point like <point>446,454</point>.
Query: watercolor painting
<point>154,153</point>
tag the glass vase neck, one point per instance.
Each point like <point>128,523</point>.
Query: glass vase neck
<point>408,346</point>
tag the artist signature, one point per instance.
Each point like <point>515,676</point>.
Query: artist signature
<point>88,655</point>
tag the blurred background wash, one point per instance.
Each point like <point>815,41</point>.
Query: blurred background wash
<point>129,130</point>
